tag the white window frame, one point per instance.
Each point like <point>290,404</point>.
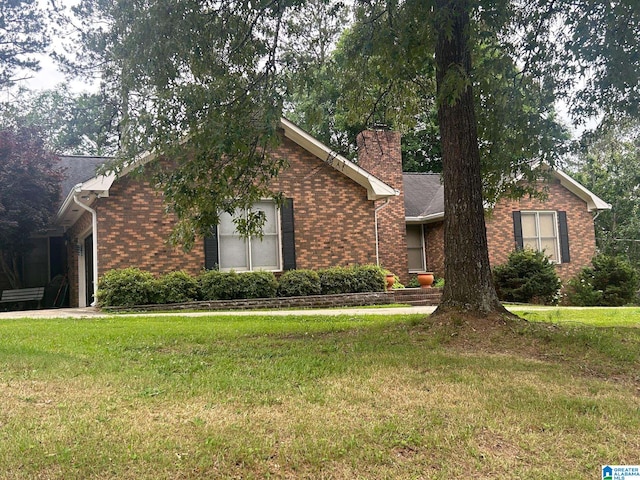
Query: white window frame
<point>248,240</point>
<point>538,238</point>
<point>423,268</point>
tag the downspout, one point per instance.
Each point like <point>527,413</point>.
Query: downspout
<point>94,228</point>
<point>375,221</point>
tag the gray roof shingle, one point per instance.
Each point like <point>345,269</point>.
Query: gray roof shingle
<point>78,169</point>
<point>423,194</point>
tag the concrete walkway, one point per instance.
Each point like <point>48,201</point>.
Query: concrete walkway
<point>90,312</point>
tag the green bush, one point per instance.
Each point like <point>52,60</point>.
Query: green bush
<point>336,280</point>
<point>610,281</point>
<point>370,278</point>
<point>127,287</point>
<point>528,276</point>
<point>177,287</point>
<point>215,285</point>
<point>297,283</point>
<point>357,279</point>
<point>258,284</point>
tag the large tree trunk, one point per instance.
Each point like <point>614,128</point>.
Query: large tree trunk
<point>468,283</point>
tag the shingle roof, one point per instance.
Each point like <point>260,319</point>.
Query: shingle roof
<point>78,169</point>
<point>423,195</point>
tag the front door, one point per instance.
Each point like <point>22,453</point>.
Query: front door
<point>88,268</point>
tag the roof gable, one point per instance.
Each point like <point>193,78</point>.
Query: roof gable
<point>98,185</point>
<point>424,196</point>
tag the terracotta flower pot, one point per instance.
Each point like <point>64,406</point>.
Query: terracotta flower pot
<point>425,279</point>
<point>391,279</point>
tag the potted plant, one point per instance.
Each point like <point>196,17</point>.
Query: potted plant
<point>425,279</point>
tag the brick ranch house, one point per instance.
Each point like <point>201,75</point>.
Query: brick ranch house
<point>336,213</point>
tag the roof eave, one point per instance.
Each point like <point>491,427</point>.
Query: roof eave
<point>594,203</point>
<point>431,218</point>
<point>376,188</point>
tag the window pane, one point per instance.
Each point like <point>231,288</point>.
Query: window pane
<point>414,236</point>
<point>264,253</point>
<point>530,244</point>
<point>269,209</point>
<point>416,262</point>
<point>233,253</point>
<point>547,225</point>
<point>226,224</point>
<point>529,225</point>
<point>548,245</point>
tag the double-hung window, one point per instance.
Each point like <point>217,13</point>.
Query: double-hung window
<point>240,253</point>
<point>415,248</point>
<point>540,233</point>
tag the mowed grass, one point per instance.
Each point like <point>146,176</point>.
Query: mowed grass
<point>345,397</point>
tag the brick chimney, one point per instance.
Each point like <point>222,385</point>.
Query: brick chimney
<point>380,154</point>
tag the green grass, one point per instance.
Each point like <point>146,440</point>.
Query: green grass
<point>319,397</point>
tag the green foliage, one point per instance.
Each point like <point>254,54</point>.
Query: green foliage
<point>127,287</point>
<point>528,276</point>
<point>71,124</point>
<point>296,283</point>
<point>609,282</point>
<point>29,195</point>
<point>177,287</point>
<point>23,33</point>
<point>607,164</point>
<point>215,285</point>
<point>355,279</point>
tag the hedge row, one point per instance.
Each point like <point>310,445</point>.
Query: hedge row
<point>132,286</point>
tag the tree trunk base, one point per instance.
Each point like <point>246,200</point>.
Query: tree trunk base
<point>449,312</point>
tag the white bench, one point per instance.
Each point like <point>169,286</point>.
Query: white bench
<point>23,295</point>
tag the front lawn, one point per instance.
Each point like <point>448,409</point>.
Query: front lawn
<point>346,397</point>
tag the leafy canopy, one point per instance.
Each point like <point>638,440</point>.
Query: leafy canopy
<point>29,194</point>
<point>22,34</point>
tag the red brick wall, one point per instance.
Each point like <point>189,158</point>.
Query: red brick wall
<point>500,235</point>
<point>582,243</point>
<point>334,222</point>
<point>379,153</point>
<point>332,216</point>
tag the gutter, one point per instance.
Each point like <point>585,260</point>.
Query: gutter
<point>375,223</point>
<point>94,228</point>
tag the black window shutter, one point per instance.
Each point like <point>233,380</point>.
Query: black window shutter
<point>211,260</point>
<point>563,230</point>
<point>517,230</point>
<point>288,235</point>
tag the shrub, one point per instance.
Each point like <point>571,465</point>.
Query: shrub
<point>296,283</point>
<point>609,282</point>
<point>357,279</point>
<point>370,278</point>
<point>210,282</point>
<point>177,287</point>
<point>336,280</point>
<point>215,285</point>
<point>127,287</point>
<point>258,284</point>
<point>528,276</point>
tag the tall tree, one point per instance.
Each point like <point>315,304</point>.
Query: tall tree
<point>22,34</point>
<point>71,124</point>
<point>29,195</point>
<point>607,164</point>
